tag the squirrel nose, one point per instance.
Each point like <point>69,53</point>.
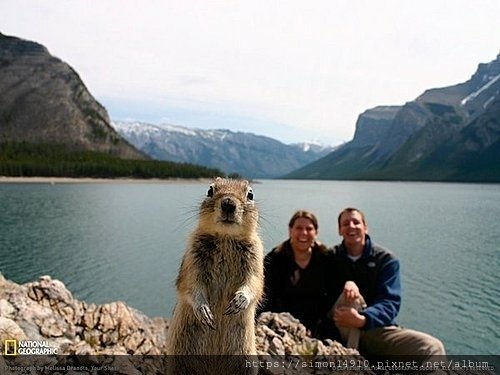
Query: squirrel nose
<point>228,206</point>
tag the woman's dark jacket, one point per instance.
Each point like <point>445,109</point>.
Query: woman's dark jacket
<point>305,293</point>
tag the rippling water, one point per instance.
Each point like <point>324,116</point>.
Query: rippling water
<point>111,242</point>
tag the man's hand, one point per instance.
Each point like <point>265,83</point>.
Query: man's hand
<point>348,317</point>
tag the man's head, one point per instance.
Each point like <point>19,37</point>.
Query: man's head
<point>352,227</point>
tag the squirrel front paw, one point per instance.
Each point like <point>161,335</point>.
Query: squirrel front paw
<point>239,302</point>
<point>205,316</point>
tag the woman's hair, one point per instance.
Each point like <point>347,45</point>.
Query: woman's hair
<point>306,215</point>
<point>349,210</point>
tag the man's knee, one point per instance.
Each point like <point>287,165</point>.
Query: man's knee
<point>425,344</point>
<point>393,340</point>
<point>434,346</point>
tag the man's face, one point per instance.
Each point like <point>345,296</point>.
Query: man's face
<point>352,228</point>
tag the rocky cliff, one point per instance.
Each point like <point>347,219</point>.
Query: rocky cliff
<point>373,124</point>
<point>43,100</point>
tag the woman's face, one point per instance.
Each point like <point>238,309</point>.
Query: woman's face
<point>302,234</point>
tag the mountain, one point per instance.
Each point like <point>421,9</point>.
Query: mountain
<point>50,125</point>
<point>470,154</point>
<point>445,134</point>
<point>373,124</point>
<point>44,101</point>
<point>247,154</point>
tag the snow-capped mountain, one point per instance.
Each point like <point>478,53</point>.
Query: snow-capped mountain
<point>249,155</point>
<point>312,146</point>
<point>450,133</point>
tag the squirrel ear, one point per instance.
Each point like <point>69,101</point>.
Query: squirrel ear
<point>210,192</point>
<point>250,194</point>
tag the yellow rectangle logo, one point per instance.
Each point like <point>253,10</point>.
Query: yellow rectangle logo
<point>10,347</point>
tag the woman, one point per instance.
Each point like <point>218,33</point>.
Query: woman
<point>298,276</point>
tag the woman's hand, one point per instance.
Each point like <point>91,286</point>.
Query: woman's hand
<point>351,291</point>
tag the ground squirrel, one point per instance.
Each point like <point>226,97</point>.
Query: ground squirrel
<point>220,283</point>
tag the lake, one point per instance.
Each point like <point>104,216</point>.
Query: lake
<point>124,241</point>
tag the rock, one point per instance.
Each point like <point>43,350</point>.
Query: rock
<point>281,338</point>
<point>10,330</point>
<point>53,294</point>
<point>46,310</point>
<point>6,309</point>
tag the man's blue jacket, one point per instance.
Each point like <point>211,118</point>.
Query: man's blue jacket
<point>377,276</point>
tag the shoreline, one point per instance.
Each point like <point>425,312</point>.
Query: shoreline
<point>89,180</point>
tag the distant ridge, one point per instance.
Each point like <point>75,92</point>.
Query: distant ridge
<point>445,134</point>
<point>247,154</point>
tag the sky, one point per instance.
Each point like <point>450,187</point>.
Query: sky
<point>292,70</point>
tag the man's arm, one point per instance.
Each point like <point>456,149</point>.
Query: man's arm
<point>387,302</point>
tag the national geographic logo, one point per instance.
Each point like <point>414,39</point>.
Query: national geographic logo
<point>27,347</point>
<point>10,347</point>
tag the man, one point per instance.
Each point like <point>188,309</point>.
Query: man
<point>375,271</point>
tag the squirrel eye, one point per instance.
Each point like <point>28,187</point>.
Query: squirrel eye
<point>210,192</point>
<point>250,194</point>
